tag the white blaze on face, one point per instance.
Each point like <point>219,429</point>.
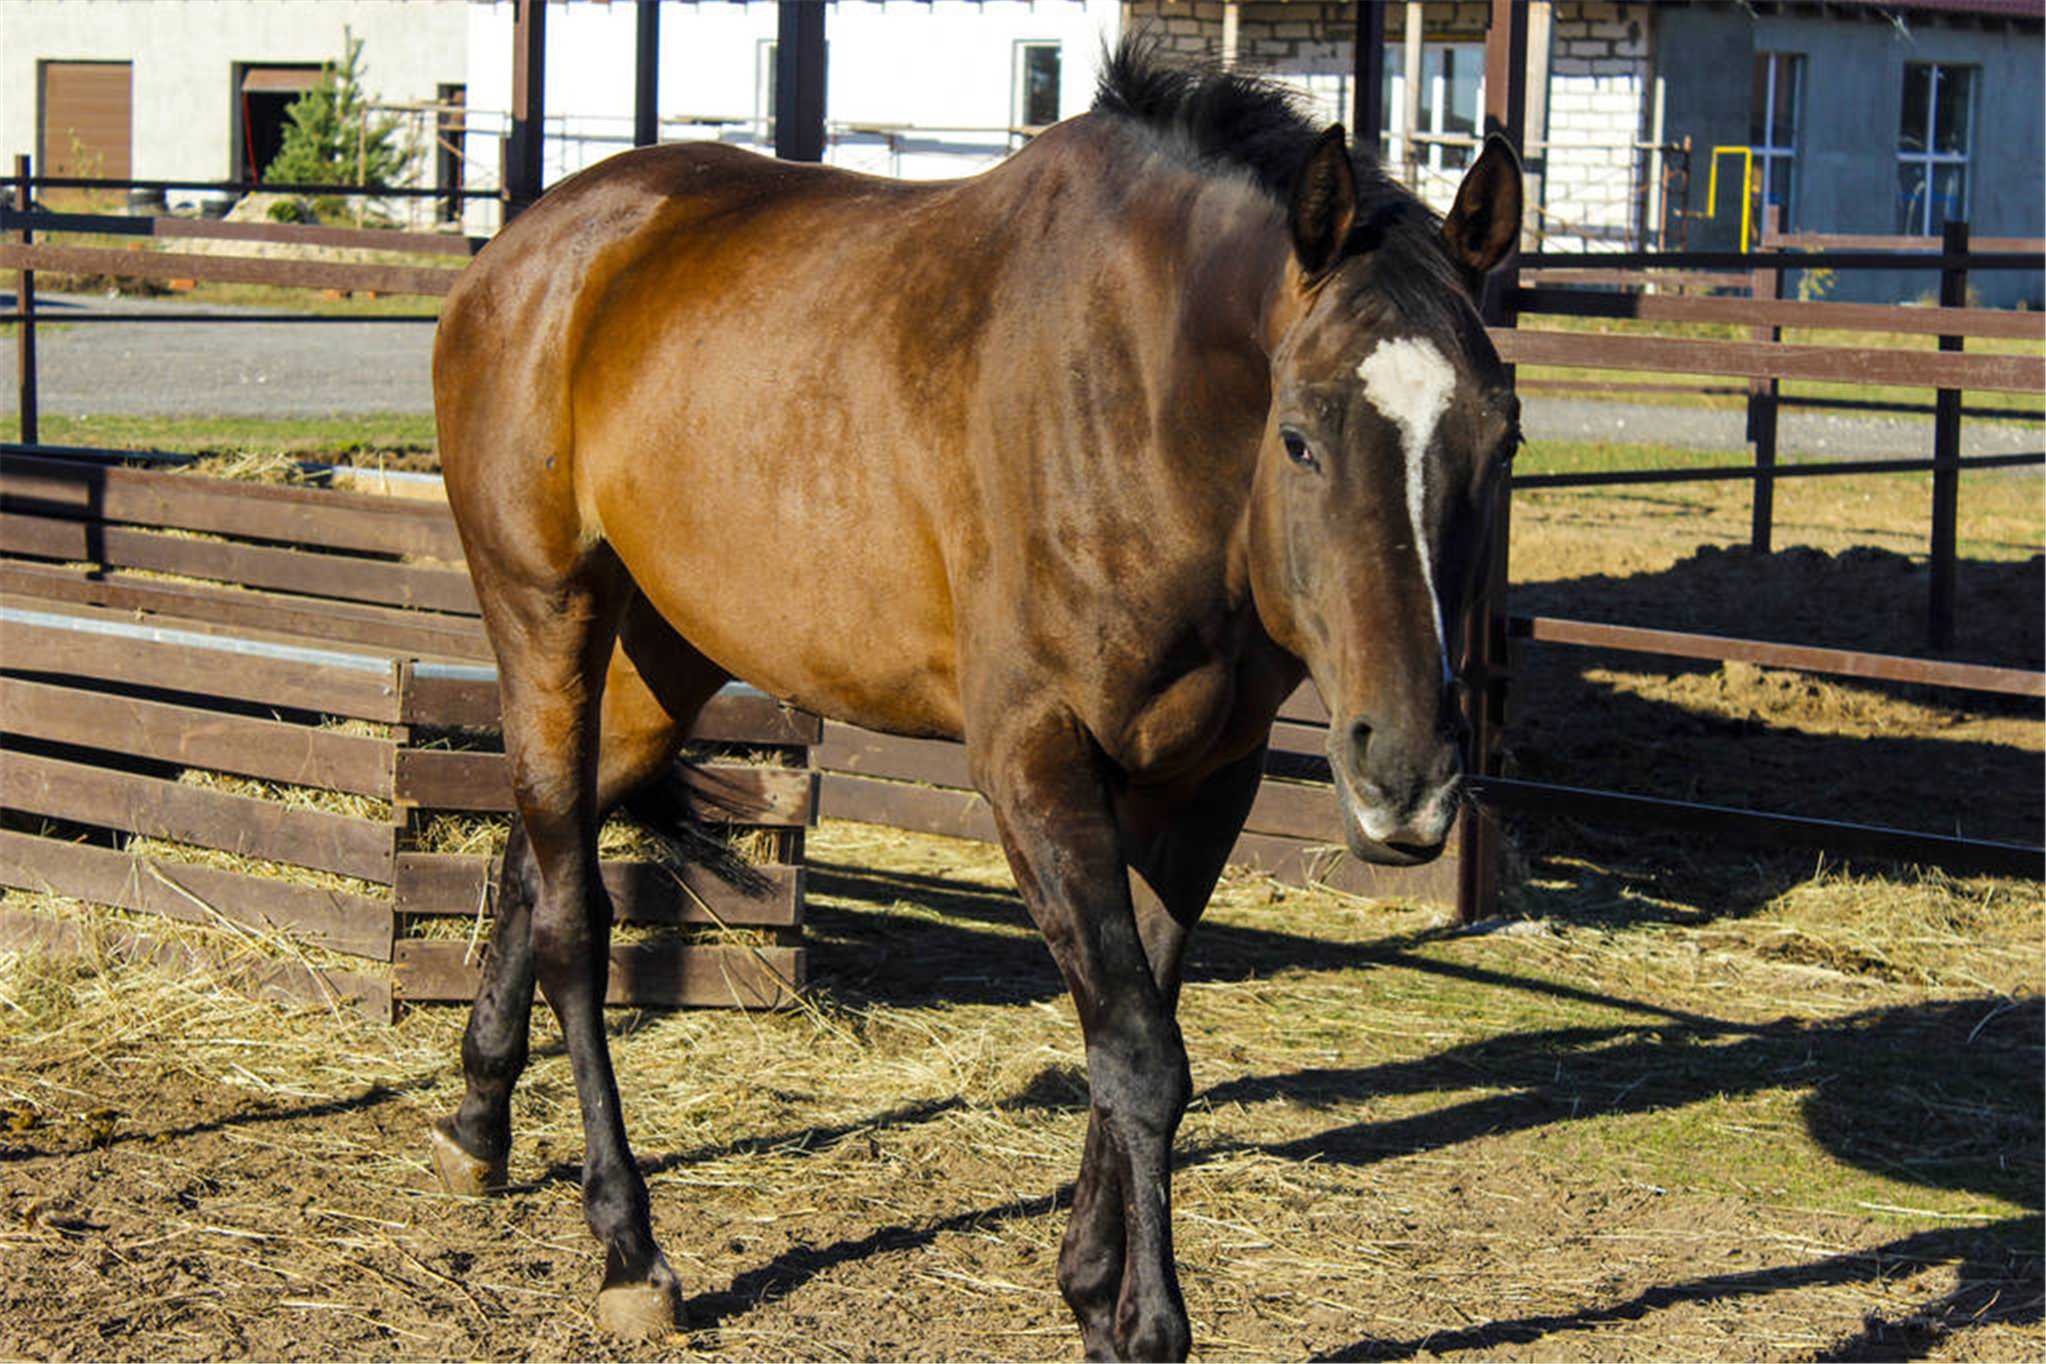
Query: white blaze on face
<point>1410,382</point>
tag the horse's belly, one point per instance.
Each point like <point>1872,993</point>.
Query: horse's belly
<point>854,626</point>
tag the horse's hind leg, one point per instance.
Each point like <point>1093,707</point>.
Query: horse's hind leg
<point>552,652</point>
<point>654,686</point>
<point>472,1146</point>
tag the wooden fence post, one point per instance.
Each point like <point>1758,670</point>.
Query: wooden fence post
<point>1762,393</point>
<point>1946,454</point>
<point>25,313</point>
<point>524,166</point>
<point>1485,661</point>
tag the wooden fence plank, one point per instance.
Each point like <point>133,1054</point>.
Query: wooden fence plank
<point>57,644</point>
<point>657,973</point>
<point>1869,317</point>
<point>1805,657</point>
<point>191,737</point>
<point>213,229</point>
<point>921,809</point>
<point>719,793</point>
<point>1304,706</point>
<point>446,884</point>
<point>1296,810</point>
<point>1308,862</point>
<point>309,574</point>
<point>330,519</point>
<point>303,274</point>
<point>743,715</point>
<point>1771,360</point>
<point>245,825</point>
<point>449,697</point>
<point>863,753</point>
<point>398,630</point>
<point>291,981</point>
<point>360,925</point>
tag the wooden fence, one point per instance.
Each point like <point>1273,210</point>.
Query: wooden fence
<point>1764,361</point>
<point>1294,831</point>
<point>297,677</point>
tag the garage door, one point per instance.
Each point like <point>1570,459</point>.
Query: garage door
<point>86,119</point>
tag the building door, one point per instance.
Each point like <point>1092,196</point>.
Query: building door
<point>262,95</point>
<point>85,120</point>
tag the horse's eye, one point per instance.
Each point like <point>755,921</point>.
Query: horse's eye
<point>1297,450</point>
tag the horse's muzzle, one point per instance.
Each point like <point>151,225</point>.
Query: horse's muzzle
<point>1396,814</point>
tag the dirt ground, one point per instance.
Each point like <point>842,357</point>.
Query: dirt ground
<point>1695,1102</point>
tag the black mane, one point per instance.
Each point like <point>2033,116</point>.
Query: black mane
<point>1229,120</point>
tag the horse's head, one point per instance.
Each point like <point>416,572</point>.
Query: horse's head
<point>1391,422</point>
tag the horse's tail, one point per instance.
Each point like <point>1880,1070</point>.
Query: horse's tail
<point>665,809</point>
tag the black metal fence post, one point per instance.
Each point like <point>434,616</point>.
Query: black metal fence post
<point>799,79</point>
<point>646,79</point>
<point>25,313</point>
<point>1765,286</point>
<point>1946,454</point>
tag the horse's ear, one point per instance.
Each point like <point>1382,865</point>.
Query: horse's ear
<point>1324,203</point>
<point>1484,224</point>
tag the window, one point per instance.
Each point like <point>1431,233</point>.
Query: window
<point>765,89</point>
<point>1932,147</point>
<point>1037,85</point>
<point>1452,93</point>
<point>1772,127</point>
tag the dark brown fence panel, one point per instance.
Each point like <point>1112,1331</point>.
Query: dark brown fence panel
<point>1765,360</point>
<point>189,736</point>
<point>657,974</point>
<point>1294,830</point>
<point>444,884</point>
<point>320,517</point>
<point>298,274</point>
<point>102,710</point>
<point>244,825</point>
<point>394,629</point>
<point>359,925</point>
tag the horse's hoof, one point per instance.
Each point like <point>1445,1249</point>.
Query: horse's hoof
<point>460,1172</point>
<point>642,1311</point>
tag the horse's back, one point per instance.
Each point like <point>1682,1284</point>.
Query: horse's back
<point>664,356</point>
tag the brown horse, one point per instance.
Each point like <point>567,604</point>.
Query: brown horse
<point>1085,460</point>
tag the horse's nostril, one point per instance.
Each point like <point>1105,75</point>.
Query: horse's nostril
<point>1359,736</point>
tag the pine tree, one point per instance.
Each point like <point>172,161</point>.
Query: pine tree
<point>333,139</point>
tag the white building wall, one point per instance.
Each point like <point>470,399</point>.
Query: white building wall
<point>184,52</point>
<point>914,88</point>
<point>1599,73</point>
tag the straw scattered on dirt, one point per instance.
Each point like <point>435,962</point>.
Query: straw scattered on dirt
<point>1695,1101</point>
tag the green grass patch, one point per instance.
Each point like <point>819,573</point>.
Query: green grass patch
<point>378,432</point>
<point>1608,456</point>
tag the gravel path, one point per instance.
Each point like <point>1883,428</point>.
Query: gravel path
<point>335,368</point>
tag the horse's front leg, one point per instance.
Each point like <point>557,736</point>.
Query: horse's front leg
<point>1177,842</point>
<point>1058,827</point>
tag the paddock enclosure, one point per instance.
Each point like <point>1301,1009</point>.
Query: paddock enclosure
<point>269,709</point>
<point>1618,1077</point>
